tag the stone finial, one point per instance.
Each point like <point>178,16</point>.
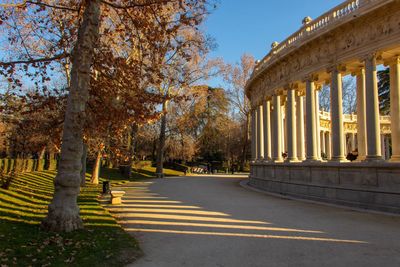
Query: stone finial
<point>274,45</point>
<point>306,20</point>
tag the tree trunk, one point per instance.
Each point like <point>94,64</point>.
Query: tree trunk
<point>161,143</point>
<point>63,212</point>
<point>96,169</point>
<point>83,161</point>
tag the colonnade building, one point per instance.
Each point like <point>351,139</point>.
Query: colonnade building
<point>299,150</point>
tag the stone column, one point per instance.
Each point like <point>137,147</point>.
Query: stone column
<point>318,125</point>
<point>283,111</point>
<point>267,130</point>
<point>323,143</point>
<point>387,147</point>
<point>328,146</point>
<point>337,116</point>
<point>383,152</point>
<point>291,125</point>
<point>277,128</point>
<point>300,127</point>
<point>395,107</point>
<point>372,110</point>
<point>361,128</point>
<point>253,136</point>
<point>260,134</point>
<point>311,121</point>
<point>353,141</point>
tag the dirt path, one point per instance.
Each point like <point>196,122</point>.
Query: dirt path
<point>213,221</point>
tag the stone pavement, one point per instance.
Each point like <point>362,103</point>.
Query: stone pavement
<point>213,221</point>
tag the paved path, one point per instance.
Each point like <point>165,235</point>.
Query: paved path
<point>213,221</point>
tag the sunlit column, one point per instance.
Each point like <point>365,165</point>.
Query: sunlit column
<point>383,152</point>
<point>267,129</point>
<point>277,129</point>
<point>317,121</point>
<point>353,141</point>
<point>337,116</point>
<point>291,124</point>
<point>395,107</point>
<point>361,128</point>
<point>253,135</point>
<point>372,110</point>
<point>300,127</point>
<point>328,145</point>
<point>311,121</point>
<point>323,143</point>
<point>260,133</point>
<point>283,129</point>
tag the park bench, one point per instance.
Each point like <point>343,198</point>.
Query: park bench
<point>116,197</point>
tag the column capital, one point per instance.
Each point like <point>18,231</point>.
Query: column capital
<point>292,86</point>
<point>372,56</point>
<point>392,61</point>
<point>311,78</point>
<point>358,70</point>
<point>337,68</point>
<point>279,92</point>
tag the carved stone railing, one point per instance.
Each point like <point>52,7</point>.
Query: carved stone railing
<point>311,29</point>
<point>351,119</point>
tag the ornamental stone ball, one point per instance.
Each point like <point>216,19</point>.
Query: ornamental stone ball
<point>274,45</point>
<point>306,20</point>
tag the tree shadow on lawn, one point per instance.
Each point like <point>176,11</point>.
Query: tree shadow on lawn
<point>24,205</point>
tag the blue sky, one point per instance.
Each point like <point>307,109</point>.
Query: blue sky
<point>251,26</point>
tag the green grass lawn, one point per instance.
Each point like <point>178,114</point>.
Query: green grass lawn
<point>22,243</point>
<point>101,243</point>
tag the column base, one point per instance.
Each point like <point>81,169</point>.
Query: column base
<point>267,160</point>
<point>277,161</point>
<point>338,159</point>
<point>312,160</point>
<point>292,160</point>
<point>373,159</point>
<point>395,158</point>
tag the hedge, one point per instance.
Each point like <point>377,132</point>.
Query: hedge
<point>26,165</point>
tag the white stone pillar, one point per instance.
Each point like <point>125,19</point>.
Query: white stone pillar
<point>372,110</point>
<point>311,121</point>
<point>387,147</point>
<point>353,141</point>
<point>383,152</point>
<point>328,146</point>
<point>284,137</point>
<point>253,136</point>
<point>300,127</point>
<point>277,128</point>
<point>260,134</point>
<point>267,130</point>
<point>337,116</point>
<point>323,143</point>
<point>395,108</point>
<point>291,125</point>
<point>361,127</point>
<point>318,124</point>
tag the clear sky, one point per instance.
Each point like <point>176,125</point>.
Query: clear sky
<point>251,26</point>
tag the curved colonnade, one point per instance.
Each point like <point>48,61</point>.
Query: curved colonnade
<point>351,39</point>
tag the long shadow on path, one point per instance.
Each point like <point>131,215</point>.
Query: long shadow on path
<point>212,221</point>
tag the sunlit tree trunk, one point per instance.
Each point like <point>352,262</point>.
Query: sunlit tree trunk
<point>161,142</point>
<point>63,212</point>
<point>96,169</point>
